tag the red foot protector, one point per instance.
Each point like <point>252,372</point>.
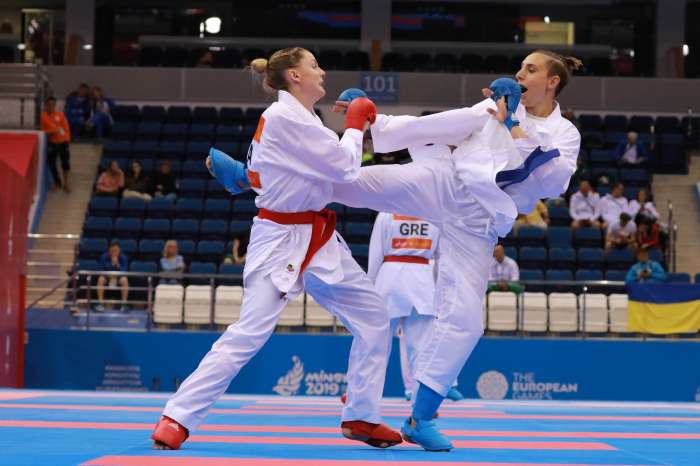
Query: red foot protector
<point>376,435</point>
<point>169,434</point>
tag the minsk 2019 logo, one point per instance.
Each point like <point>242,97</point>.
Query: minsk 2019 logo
<point>316,383</point>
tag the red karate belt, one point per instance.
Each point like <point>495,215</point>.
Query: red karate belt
<point>322,227</point>
<point>407,259</point>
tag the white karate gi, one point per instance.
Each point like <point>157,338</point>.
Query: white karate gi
<point>460,194</point>
<point>584,207</point>
<point>296,159</point>
<point>407,288</point>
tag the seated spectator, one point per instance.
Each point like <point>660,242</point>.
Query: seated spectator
<point>504,272</point>
<point>583,207</point>
<point>648,235</point>
<point>113,261</point>
<point>77,109</point>
<point>630,152</point>
<point>238,250</point>
<point>164,182</point>
<point>539,217</point>
<point>613,204</point>
<point>137,184</point>
<point>643,208</point>
<point>645,270</point>
<point>101,107</point>
<point>171,262</point>
<point>621,234</point>
<point>54,124</point>
<point>111,181</point>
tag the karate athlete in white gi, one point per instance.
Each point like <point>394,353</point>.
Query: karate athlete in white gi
<point>473,195</point>
<point>293,163</point>
<point>401,251</point>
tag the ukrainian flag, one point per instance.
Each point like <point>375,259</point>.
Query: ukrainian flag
<point>663,308</point>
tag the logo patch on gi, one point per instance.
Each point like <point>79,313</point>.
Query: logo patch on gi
<point>290,268</point>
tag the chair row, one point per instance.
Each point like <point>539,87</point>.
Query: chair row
<point>206,132</point>
<point>200,305</point>
<point>173,150</point>
<point>568,258</point>
<point>555,236</point>
<point>642,124</point>
<point>162,207</point>
<point>186,114</point>
<point>181,228</point>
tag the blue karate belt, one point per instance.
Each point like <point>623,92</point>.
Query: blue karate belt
<point>536,158</point>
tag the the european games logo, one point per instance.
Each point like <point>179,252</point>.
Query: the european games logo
<point>288,385</point>
<point>492,385</point>
<point>317,383</point>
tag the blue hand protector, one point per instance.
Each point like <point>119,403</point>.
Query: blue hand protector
<point>348,95</point>
<point>232,174</point>
<point>511,90</point>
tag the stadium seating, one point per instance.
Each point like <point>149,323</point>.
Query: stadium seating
<point>198,304</point>
<point>502,311</point>
<point>227,306</point>
<point>534,312</point>
<point>563,312</point>
<point>167,305</point>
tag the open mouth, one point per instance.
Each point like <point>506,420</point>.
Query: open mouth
<point>523,89</point>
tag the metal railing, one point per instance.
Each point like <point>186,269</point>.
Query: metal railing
<point>672,237</point>
<point>25,82</point>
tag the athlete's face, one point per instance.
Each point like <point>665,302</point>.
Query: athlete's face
<point>534,75</point>
<point>309,77</point>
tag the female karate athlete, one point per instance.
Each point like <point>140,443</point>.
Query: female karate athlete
<point>472,194</point>
<point>293,162</point>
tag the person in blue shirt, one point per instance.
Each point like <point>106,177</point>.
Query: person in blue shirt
<point>101,107</point>
<point>631,152</point>
<point>645,270</point>
<point>113,261</point>
<point>171,262</point>
<point>77,109</point>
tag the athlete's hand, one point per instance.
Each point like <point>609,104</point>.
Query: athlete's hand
<point>360,111</point>
<point>501,112</point>
<point>340,106</point>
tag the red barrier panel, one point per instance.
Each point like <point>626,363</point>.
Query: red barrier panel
<point>18,165</point>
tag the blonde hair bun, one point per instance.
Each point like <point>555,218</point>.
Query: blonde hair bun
<point>259,65</point>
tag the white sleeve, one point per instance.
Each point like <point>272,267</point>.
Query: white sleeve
<point>652,209</point>
<point>313,151</point>
<point>573,207</point>
<point>376,246</point>
<point>491,274</point>
<point>514,271</point>
<point>392,133</point>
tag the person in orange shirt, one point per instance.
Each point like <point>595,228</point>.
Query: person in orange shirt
<point>54,124</point>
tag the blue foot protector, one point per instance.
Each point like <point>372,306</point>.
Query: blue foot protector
<point>425,434</point>
<point>427,403</point>
<point>348,95</point>
<point>231,173</point>
<point>454,394</point>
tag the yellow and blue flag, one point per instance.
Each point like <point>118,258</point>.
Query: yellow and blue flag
<point>663,308</point>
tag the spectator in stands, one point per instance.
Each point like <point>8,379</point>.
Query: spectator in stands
<point>54,124</point>
<point>631,152</point>
<point>539,217</point>
<point>164,182</point>
<point>77,109</point>
<point>113,261</point>
<point>613,204</point>
<point>504,273</point>
<point>111,181</point>
<point>583,207</point>
<point>101,107</point>
<point>621,234</point>
<point>645,270</point>
<point>648,234</point>
<point>137,184</point>
<point>642,208</point>
<point>171,261</point>
<point>239,250</point>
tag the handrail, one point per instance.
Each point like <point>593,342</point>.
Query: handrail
<point>52,236</point>
<point>671,246</point>
<point>48,293</point>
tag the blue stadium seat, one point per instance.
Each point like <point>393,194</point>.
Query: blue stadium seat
<point>634,176</point>
<point>235,149</point>
<point>145,148</point>
<point>123,131</point>
<point>143,266</point>
<point>678,277</point>
<point>532,275</point>
<point>103,206</point>
<point>132,207</point>
<point>117,149</point>
<point>156,228</point>
<point>179,114</point>
<point>174,132</point>
<point>641,123</point>
<point>160,207</point>
<point>186,248</point>
<point>253,114</point>
<point>588,237</point>
<point>127,227</point>
<point>189,208</point>
<point>231,115</point>
<point>128,246</point>
<point>592,139</point>
<point>559,237</point>
<point>558,275</point>
<point>602,158</point>
<point>357,232</point>
<point>207,115</point>
<point>588,275</point>
<point>126,113</point>
<point>667,124</point>
<point>208,268</point>
<point>562,258</point>
<point>240,227</point>
<point>228,133</point>
<point>151,249</point>
<point>532,257</point>
<point>172,150</point>
<point>231,269</point>
<point>98,226</point>
<point>530,236</point>
<point>512,252</point>
<point>631,192</point>
<point>198,150</point>
<point>153,113</point>
<point>355,214</point>
<point>559,216</point>
<point>196,169</point>
<point>615,275</point>
<point>148,130</point>
<point>92,248</point>
<point>697,278</point>
<point>244,209</point>
<point>191,187</point>
<point>213,229</point>
<point>619,259</point>
<point>210,251</point>
<point>656,255</point>
<point>217,208</point>
<point>591,258</point>
<point>185,228</point>
<point>215,190</point>
<point>203,132</point>
<point>87,264</point>
<point>615,123</point>
<point>613,138</point>
<point>590,122</point>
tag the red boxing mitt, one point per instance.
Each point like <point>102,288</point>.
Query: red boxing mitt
<point>360,111</point>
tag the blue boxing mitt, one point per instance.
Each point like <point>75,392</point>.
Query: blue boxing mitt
<point>348,95</point>
<point>511,90</point>
<point>232,174</point>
